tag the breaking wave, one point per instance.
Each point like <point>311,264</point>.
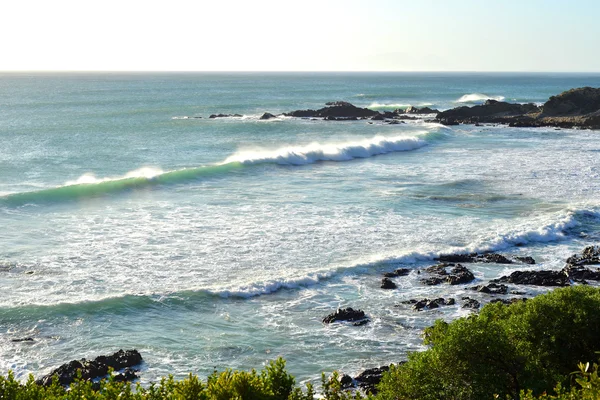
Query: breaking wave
<point>89,186</point>
<point>478,98</point>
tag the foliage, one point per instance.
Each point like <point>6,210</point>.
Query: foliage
<point>587,387</point>
<point>503,350</point>
<point>273,383</point>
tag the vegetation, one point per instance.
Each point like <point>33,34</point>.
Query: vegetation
<point>526,351</point>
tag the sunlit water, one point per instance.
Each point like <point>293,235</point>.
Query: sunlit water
<point>203,243</point>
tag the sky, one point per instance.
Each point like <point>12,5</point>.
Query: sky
<point>305,35</point>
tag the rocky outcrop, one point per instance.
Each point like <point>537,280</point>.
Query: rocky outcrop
<point>575,108</point>
<point>427,304</point>
<point>335,111</point>
<point>492,288</point>
<point>525,260</point>
<point>423,110</point>
<point>267,115</point>
<point>470,303</point>
<point>387,283</point>
<point>347,314</point>
<point>589,255</point>
<point>398,272</point>
<point>97,368</point>
<point>536,278</point>
<point>458,274</point>
<point>224,115</point>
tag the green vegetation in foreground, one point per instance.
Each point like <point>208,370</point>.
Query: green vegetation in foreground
<point>524,351</point>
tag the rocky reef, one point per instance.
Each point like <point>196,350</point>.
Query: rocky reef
<point>575,108</point>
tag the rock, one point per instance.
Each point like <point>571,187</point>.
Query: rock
<point>492,288</point>
<point>495,258</point>
<point>370,378</point>
<point>526,260</point>
<point>458,274</point>
<point>578,101</point>
<point>579,273</point>
<point>537,278</point>
<point>387,283</point>
<point>471,303</point>
<point>398,272</point>
<point>93,369</point>
<point>345,314</point>
<point>346,381</point>
<point>267,116</point>
<point>508,301</point>
<point>26,339</point>
<point>337,109</point>
<point>224,115</point>
<point>431,304</point>
<point>589,255</point>
<point>378,117</point>
<point>423,110</point>
<point>456,258</point>
<point>575,108</point>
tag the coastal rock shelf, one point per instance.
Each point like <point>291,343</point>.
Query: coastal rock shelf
<point>575,108</point>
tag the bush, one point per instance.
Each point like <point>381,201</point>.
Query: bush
<point>273,383</point>
<point>505,349</point>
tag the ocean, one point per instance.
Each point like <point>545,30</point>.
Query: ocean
<point>127,222</point>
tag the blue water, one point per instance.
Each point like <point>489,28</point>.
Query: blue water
<point>129,223</point>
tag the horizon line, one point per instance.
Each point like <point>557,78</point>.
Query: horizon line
<point>296,72</point>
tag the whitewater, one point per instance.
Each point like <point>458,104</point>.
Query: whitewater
<point>132,220</point>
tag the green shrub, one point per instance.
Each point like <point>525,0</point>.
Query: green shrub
<point>273,383</point>
<point>503,350</point>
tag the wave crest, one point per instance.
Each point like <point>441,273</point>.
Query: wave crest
<point>478,98</point>
<point>314,152</point>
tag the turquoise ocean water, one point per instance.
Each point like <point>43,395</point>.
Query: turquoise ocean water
<point>214,243</point>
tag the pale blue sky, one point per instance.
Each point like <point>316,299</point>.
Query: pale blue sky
<point>307,35</point>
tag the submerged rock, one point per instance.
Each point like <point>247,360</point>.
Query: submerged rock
<point>526,260</point>
<point>419,305</point>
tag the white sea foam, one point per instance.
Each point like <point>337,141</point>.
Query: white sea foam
<point>90,178</point>
<point>387,106</point>
<point>478,98</point>
<point>311,153</point>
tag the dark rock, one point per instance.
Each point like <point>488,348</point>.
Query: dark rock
<point>431,304</point>
<point>508,301</point>
<point>346,381</point>
<point>398,272</point>
<point>495,258</point>
<point>345,314</point>
<point>267,116</point>
<point>492,288</point>
<point>387,283</point>
<point>423,110</point>
<point>338,109</point>
<point>526,260</point>
<point>93,369</point>
<point>578,101</point>
<point>537,278</point>
<point>26,339</point>
<point>458,274</point>
<point>361,322</point>
<point>378,117</point>
<point>581,273</point>
<point>456,258</point>
<point>370,378</point>
<point>471,303</point>
<point>224,115</point>
<point>589,255</point>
